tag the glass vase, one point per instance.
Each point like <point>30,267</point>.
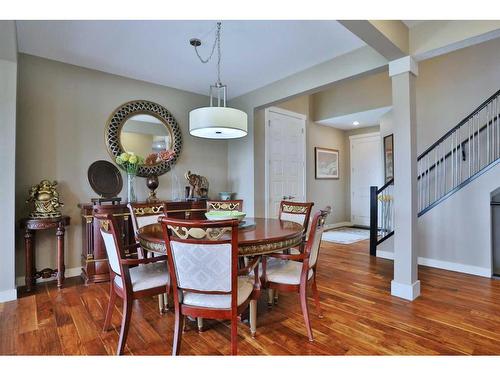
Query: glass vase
<point>131,197</point>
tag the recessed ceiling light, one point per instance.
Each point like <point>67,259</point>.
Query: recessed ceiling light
<point>355,123</point>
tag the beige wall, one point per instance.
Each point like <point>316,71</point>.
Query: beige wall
<point>352,96</point>
<point>8,82</point>
<point>242,152</point>
<point>335,193</point>
<point>62,110</point>
<point>451,86</point>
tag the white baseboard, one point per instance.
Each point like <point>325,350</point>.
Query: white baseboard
<point>457,267</point>
<point>406,291</point>
<point>385,254</point>
<point>441,264</point>
<point>8,295</point>
<point>70,272</point>
<point>338,225</point>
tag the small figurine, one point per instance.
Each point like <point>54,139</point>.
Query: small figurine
<point>46,200</point>
<point>199,185</point>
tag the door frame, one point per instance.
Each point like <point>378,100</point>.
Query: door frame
<point>380,156</point>
<point>267,124</point>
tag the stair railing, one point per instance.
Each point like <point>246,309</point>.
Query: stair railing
<point>381,214</point>
<point>461,155</point>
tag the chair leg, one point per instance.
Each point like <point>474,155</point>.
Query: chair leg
<point>200,324</point>
<point>165,302</point>
<point>270,296</point>
<point>253,317</point>
<point>316,297</point>
<point>127,313</point>
<point>276,295</point>
<point>161,303</point>
<point>111,306</point>
<point>178,328</point>
<point>234,335</point>
<point>305,312</point>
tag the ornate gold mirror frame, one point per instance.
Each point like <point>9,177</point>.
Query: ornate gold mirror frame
<point>142,107</point>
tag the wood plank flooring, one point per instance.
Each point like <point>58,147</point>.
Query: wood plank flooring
<point>456,314</point>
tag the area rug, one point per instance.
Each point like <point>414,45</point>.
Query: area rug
<point>346,235</point>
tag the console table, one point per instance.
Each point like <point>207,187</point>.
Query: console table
<point>94,259</point>
<point>30,225</point>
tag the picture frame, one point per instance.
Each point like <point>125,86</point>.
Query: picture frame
<point>326,163</point>
<point>388,157</point>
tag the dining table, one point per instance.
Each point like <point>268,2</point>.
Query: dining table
<point>256,236</point>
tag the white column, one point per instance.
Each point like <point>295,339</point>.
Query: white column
<point>405,284</point>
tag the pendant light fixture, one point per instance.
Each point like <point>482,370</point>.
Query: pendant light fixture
<point>217,121</point>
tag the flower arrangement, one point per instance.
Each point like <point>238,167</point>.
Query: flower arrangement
<point>160,156</point>
<point>129,162</point>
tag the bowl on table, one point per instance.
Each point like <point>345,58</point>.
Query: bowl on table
<point>225,215</point>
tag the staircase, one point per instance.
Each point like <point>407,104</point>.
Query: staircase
<point>456,159</point>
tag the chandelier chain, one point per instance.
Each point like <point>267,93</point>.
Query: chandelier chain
<point>216,43</point>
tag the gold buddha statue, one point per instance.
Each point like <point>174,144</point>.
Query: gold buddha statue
<point>46,200</point>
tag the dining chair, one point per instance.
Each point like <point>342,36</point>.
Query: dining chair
<point>130,278</point>
<point>300,213</point>
<point>294,272</point>
<point>203,263</point>
<point>228,205</point>
<point>143,214</point>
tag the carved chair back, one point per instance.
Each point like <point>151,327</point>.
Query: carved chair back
<point>111,236</point>
<point>298,212</point>
<point>145,213</point>
<point>228,205</point>
<point>314,240</point>
<point>202,256</point>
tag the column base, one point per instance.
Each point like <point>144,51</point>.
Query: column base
<point>406,291</point>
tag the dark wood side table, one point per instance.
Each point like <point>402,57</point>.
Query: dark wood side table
<point>30,225</point>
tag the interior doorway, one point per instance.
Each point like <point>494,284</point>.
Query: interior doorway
<point>285,152</point>
<point>366,171</point>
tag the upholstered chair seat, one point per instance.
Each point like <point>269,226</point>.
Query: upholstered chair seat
<point>146,276</point>
<point>285,271</point>
<point>220,301</point>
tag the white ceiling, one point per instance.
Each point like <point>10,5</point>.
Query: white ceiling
<point>365,119</point>
<point>254,53</point>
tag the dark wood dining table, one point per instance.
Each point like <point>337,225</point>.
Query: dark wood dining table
<point>257,236</point>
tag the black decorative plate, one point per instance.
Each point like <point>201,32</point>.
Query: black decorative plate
<point>105,179</point>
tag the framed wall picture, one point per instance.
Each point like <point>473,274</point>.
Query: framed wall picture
<point>326,163</point>
<point>389,157</point>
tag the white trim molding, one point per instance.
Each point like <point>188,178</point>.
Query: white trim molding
<point>457,267</point>
<point>403,65</point>
<point>406,291</point>
<point>443,265</point>
<point>8,295</point>
<point>69,272</point>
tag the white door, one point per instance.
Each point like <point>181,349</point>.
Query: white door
<point>366,171</point>
<point>285,158</point>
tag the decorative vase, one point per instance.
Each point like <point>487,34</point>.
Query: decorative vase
<point>131,197</point>
<point>152,183</point>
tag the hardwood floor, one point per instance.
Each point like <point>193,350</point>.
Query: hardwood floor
<point>456,314</point>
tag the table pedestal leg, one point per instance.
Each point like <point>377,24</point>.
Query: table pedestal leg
<point>60,255</point>
<point>30,259</point>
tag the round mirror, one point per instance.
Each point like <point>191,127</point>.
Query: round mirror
<point>146,136</point>
<point>148,130</point>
